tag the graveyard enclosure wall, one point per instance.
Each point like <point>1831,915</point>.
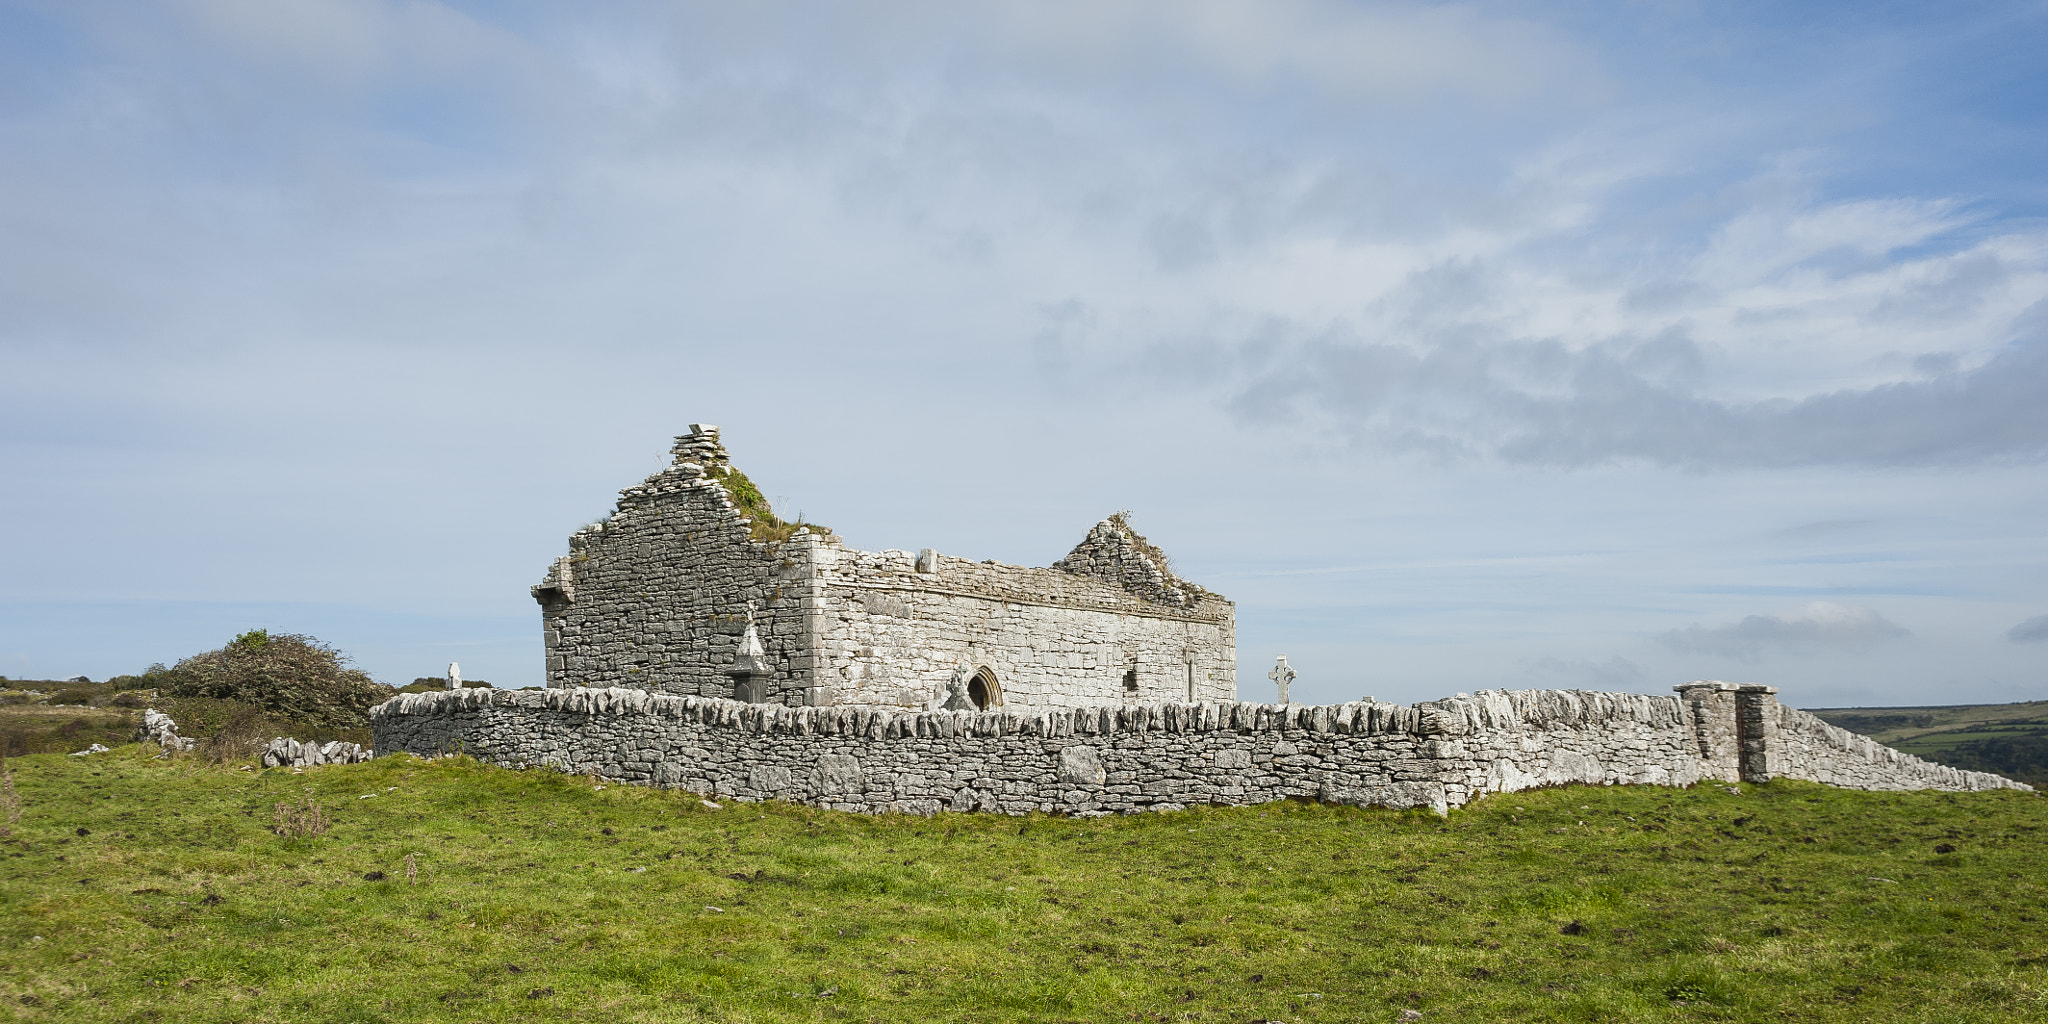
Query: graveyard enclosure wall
<point>1811,749</point>
<point>1091,760</point>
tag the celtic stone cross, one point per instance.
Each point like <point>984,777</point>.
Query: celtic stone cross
<point>1281,675</point>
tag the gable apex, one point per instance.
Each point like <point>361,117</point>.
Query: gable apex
<point>1116,553</point>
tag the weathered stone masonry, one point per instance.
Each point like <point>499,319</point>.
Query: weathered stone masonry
<point>1107,684</point>
<point>655,598</point>
<point>1094,760</point>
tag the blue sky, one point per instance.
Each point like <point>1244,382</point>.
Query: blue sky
<point>1463,346</point>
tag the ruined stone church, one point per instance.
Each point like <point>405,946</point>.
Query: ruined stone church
<point>694,587</point>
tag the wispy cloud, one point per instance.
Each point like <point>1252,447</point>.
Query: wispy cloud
<point>1819,626</point>
<point>1616,673</point>
<point>2032,631</point>
<point>1543,403</point>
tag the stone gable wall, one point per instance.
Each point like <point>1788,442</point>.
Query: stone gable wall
<point>1112,552</point>
<point>655,596</point>
<point>1441,754</point>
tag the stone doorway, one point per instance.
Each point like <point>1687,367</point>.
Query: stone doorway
<point>983,689</point>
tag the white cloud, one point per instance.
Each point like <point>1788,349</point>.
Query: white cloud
<point>1349,50</point>
<point>1818,626</point>
<point>348,41</point>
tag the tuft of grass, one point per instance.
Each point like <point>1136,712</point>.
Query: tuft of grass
<point>762,522</point>
<point>447,890</point>
<point>302,820</point>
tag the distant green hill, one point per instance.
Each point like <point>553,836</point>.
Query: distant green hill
<point>2010,739</point>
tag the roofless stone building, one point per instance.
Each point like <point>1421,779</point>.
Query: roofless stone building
<point>683,631</point>
<point>693,587</point>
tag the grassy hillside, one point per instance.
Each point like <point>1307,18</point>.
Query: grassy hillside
<point>140,889</point>
<point>2010,739</point>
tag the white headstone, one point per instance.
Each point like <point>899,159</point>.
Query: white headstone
<point>454,676</point>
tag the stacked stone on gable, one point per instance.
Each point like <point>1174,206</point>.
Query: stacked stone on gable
<point>655,598</point>
<point>1115,553</point>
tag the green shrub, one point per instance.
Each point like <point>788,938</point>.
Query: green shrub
<point>232,729</point>
<point>287,675</point>
<point>240,736</point>
<point>151,678</point>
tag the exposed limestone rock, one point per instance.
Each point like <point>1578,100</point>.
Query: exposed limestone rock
<point>1081,766</point>
<point>158,728</point>
<point>290,753</point>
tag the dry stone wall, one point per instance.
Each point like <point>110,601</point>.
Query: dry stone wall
<point>1098,760</point>
<point>1809,748</point>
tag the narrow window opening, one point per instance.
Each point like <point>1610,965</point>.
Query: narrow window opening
<point>1131,681</point>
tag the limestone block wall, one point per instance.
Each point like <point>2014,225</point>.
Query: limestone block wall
<point>1096,760</point>
<point>893,634</point>
<point>655,598</point>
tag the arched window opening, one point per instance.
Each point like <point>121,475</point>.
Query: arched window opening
<point>983,689</point>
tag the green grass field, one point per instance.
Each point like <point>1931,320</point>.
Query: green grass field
<point>139,889</point>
